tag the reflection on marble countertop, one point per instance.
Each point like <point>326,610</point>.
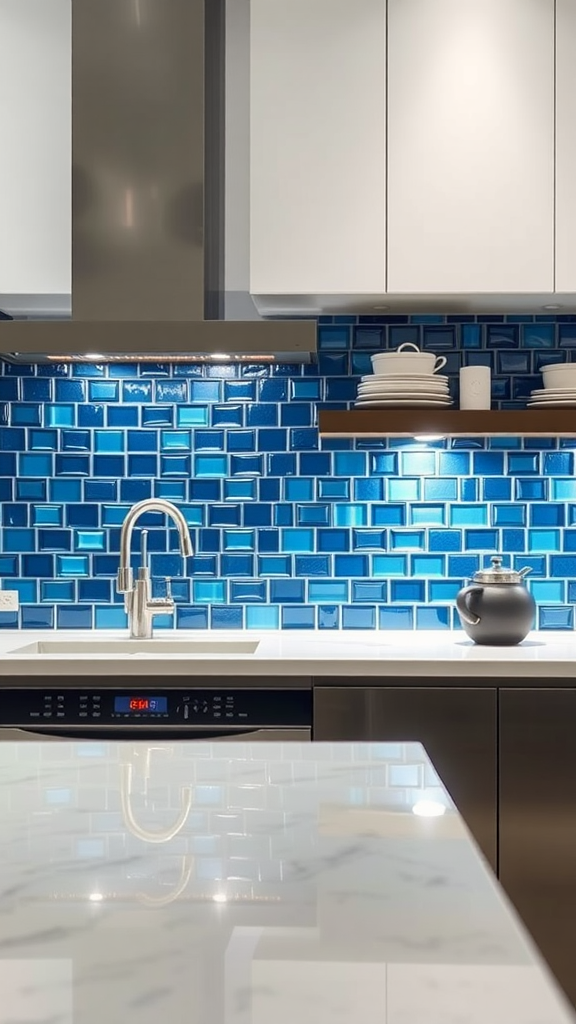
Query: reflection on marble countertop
<point>249,884</point>
<point>377,654</point>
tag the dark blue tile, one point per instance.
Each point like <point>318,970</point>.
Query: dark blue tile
<point>531,490</point>
<point>141,465</point>
<point>371,338</point>
<point>514,540</point>
<point>284,591</point>
<point>332,364</point>
<point>351,565</point>
<point>205,490</point>
<point>298,414</point>
<point>109,465</point>
<point>33,390</point>
<point>488,463</point>
<point>122,416</point>
<point>90,415</point>
<point>73,465</point>
<point>37,617</point>
<point>481,540</point>
<point>333,338</point>
<point>273,440</point>
<point>224,617</point>
<point>550,514</point>
<point>312,565</point>
<point>103,391</point>
<point>438,339</point>
<point>273,390</point>
<point>538,335</point>
<point>501,337</point>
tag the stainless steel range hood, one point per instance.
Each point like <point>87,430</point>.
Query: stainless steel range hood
<point>148,197</point>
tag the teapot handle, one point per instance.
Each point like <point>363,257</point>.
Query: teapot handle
<point>462,605</point>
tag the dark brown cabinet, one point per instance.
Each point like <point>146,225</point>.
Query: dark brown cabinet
<point>457,726</point>
<point>538,819</point>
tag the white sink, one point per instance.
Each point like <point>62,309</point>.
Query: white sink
<point>187,648</point>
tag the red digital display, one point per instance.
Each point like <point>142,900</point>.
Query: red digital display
<point>139,704</point>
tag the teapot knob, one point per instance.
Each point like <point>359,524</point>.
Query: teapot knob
<point>496,561</point>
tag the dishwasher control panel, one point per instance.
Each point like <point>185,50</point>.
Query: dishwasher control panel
<point>128,706</point>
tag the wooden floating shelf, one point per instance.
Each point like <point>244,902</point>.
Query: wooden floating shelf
<point>447,422</point>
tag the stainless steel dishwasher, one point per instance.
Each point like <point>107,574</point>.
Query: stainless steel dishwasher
<point>117,710</point>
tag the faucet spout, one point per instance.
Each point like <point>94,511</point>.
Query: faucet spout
<point>125,576</point>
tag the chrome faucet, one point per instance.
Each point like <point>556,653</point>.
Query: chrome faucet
<point>140,606</point>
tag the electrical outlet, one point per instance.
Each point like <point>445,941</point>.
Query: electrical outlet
<point>9,601</point>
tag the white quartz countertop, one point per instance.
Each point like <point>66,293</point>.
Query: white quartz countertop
<point>376,654</point>
<point>250,884</point>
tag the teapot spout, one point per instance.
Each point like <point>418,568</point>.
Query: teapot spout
<point>524,572</point>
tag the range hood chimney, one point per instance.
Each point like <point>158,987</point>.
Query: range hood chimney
<point>148,197</point>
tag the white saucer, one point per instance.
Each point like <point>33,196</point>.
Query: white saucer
<point>414,378</point>
<point>557,403</point>
<point>405,390</point>
<point>413,403</point>
<point>404,395</point>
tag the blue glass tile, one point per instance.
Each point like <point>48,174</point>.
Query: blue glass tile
<point>17,540</point>
<point>548,591</point>
<point>373,592</point>
<point>36,465</point>
<point>10,392</point>
<point>6,489</point>
<point>261,515</point>
<point>333,540</point>
<point>444,590</point>
<point>27,590</point>
<point>80,440</point>
<point>481,540</point>
<point>107,441</point>
<point>78,617</point>
<point>26,415</point>
<point>91,416</point>
<point>114,515</point>
<point>91,590</point>
<point>536,563</point>
<point>299,414</point>
<point>440,489</point>
<point>361,364</point>
<point>396,618</point>
<point>547,515</point>
<point>172,390</point>
<point>433,618</point>
<point>73,465</point>
<point>12,440</point>
<point>239,391</point>
<point>531,490</point>
<point>273,390</point>
<point>8,565</point>
<point>137,391</point>
<point>205,490</point>
<point>272,440</point>
<point>70,390</point>
<point>209,591</point>
<point>122,417</point>
<point>328,616</point>
<point>249,591</point>
<point>407,590</point>
<point>274,565</point>
<point>369,540</point>
<point>136,490</point>
<point>313,515</point>
<point>14,515</point>
<point>8,464</point>
<point>37,565</point>
<point>303,438</point>
<point>241,441</point>
<point>57,591</point>
<point>297,540</point>
<point>383,463</point>
<point>563,565</point>
<point>224,515</point>
<point>54,540</point>
<point>226,618</point>
<point>37,617</point>
<point>142,465</point>
<point>313,565</point>
<point>175,465</point>
<point>349,515</point>
<point>523,462</point>
<point>333,338</point>
<point>238,540</point>
<point>294,617</point>
<point>285,591</point>
<point>556,618</point>
<point>281,465</point>
<point>192,618</point>
<point>469,489</point>
<point>308,390</point>
<point>103,565</point>
<point>559,464</point>
<point>209,441</point>
<point>73,565</point>
<point>389,565</point>
<point>298,489</point>
<point>537,335</point>
<point>544,540</point>
<point>351,565</point>
<point>143,441</point>
<point>509,515</point>
<point>463,566</point>
<point>108,465</point>
<point>157,416</point>
<point>122,370</point>
<point>369,489</point>
<point>89,540</point>
<point>489,463</point>
<point>471,336</point>
<point>407,539</point>
<point>246,465</point>
<point>349,463</point>
<point>103,391</point>
<point>316,464</point>
<point>388,515</point>
<point>428,565</point>
<point>469,515</point>
<point>358,617</point>
<point>210,465</point>
<point>262,617</point>
<point>403,490</point>
<point>427,515</point>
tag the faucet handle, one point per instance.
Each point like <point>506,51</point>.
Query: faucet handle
<point>168,581</point>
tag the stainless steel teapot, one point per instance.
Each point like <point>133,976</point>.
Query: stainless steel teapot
<point>497,608</point>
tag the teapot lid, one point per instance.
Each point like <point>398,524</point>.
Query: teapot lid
<point>497,574</point>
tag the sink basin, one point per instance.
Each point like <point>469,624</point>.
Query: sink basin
<point>183,648</point>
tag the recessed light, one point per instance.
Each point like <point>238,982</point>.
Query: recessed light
<point>220,355</point>
<point>96,897</point>
<point>428,809</point>
<point>552,305</point>
<point>429,437</point>
<point>381,307</point>
<point>94,356</point>
<point>220,897</point>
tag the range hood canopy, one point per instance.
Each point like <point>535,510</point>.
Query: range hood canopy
<point>148,198</point>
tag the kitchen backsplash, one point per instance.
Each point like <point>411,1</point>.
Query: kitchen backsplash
<point>289,532</point>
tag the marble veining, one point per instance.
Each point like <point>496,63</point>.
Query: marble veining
<point>250,884</point>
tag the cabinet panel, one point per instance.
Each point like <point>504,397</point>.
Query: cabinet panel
<point>318,148</point>
<point>565,146</point>
<point>456,726</point>
<point>470,145</point>
<point>538,819</point>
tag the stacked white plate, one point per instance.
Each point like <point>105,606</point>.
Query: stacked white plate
<point>553,398</point>
<point>397,391</point>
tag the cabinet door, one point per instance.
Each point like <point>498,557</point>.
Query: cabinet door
<point>470,145</point>
<point>565,146</point>
<point>456,726</point>
<point>317,146</point>
<point>538,819</point>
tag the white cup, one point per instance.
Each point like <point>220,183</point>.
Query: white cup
<point>410,363</point>
<point>475,387</point>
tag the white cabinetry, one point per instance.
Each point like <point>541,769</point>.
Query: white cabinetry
<point>565,146</point>
<point>318,146</point>
<point>471,145</point>
<point>35,148</point>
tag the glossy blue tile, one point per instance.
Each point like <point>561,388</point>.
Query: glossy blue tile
<point>57,591</point>
<point>78,617</point>
<point>389,565</point>
<point>559,464</point>
<point>488,463</point>
<point>496,489</point>
<point>89,540</point>
<point>73,565</point>
<point>241,441</point>
<point>469,489</point>
<point>238,540</point>
<point>556,618</point>
<point>142,441</point>
<point>388,515</point>
<point>54,540</point>
<point>304,565</point>
<point>248,592</point>
<point>284,591</point>
<point>205,490</point>
<point>359,617</point>
<point>27,590</point>
<point>281,465</point>
<point>37,617</point>
<point>91,590</point>
<point>551,514</point>
<point>70,390</point>
<point>404,591</point>
<point>544,540</point>
<point>433,618</point>
<point>406,539</point>
<point>383,463</point>
<point>108,441</point>
<point>14,515</point>
<point>531,490</point>
<point>563,565</point>
<point>316,464</point>
<point>209,591</point>
<point>18,540</point>
<point>333,338</point>
<point>91,415</point>
<point>136,490</point>
<point>369,540</point>
<point>246,465</point>
<point>8,565</point>
<point>26,415</point>
<point>36,465</point>
<point>524,462</point>
<point>332,540</point>
<point>313,515</point>
<point>210,465</point>
<point>38,565</point>
<point>440,489</point>
<point>349,463</point>
<point>226,618</point>
<point>351,565</point>
<point>103,391</point>
<point>172,390</point>
<point>469,515</point>
<point>538,335</point>
<point>396,618</point>
<point>403,489</point>
<point>158,416</point>
<point>295,617</point>
<point>428,565</point>
<point>298,540</point>
<point>72,465</point>
<point>262,617</point>
<point>298,489</point>
<point>548,591</point>
<point>175,465</point>
<point>349,515</point>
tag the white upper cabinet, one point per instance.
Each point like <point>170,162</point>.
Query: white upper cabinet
<point>471,145</point>
<point>565,146</point>
<point>35,148</point>
<point>317,146</point>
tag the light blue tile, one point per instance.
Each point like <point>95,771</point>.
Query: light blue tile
<point>262,617</point>
<point>544,540</point>
<point>389,565</point>
<point>469,515</point>
<point>328,593</point>
<point>407,540</point>
<point>350,515</point>
<point>428,565</point>
<point>358,617</point>
<point>548,591</point>
<point>427,515</point>
<point>403,490</point>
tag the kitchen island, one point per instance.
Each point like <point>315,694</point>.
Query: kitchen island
<point>250,884</point>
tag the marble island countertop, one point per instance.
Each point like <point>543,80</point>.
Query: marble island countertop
<point>250,884</point>
<point>377,654</point>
